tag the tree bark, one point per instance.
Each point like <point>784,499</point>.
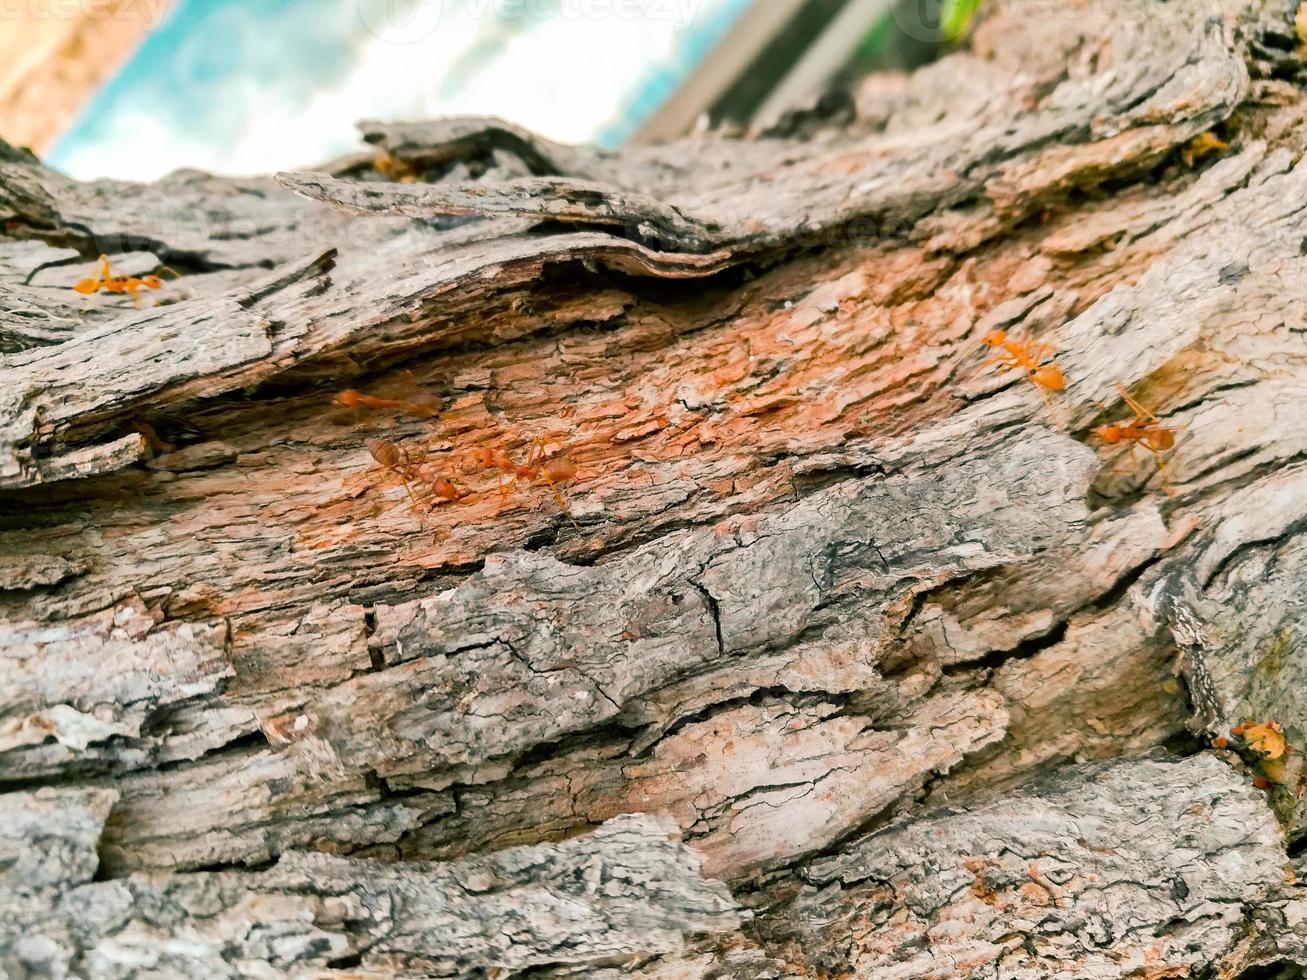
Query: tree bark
<point>841,655</point>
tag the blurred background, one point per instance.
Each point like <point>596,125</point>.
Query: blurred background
<point>138,88</point>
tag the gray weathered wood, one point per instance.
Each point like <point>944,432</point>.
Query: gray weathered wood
<point>626,889</point>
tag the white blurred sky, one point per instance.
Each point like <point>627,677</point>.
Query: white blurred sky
<point>250,86</point>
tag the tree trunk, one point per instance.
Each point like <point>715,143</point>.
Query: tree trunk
<point>842,653</point>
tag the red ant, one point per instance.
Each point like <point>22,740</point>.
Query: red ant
<point>392,458</point>
<point>117,284</point>
<point>1028,357</point>
<point>395,169</point>
<point>552,471</point>
<point>1145,429</point>
<point>421,404</point>
<point>1200,146</point>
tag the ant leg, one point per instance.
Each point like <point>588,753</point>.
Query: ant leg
<point>413,499</point>
<point>506,483</point>
<point>1145,479</point>
<point>405,473</point>
<point>532,465</point>
<point>1005,359</point>
<point>1021,354</point>
<point>1162,472</point>
<point>415,505</point>
<point>562,502</point>
<point>408,489</point>
<point>537,454</point>
<point>395,471</point>
<point>1143,415</point>
<point>1122,467</point>
<point>1043,393</point>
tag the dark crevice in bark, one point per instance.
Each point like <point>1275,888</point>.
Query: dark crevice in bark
<point>755,698</point>
<point>812,481</point>
<point>104,772</point>
<point>250,867</point>
<point>542,538</point>
<point>608,734</point>
<point>622,542</point>
<point>1024,650</point>
<point>365,592</point>
<point>710,602</point>
<point>1275,970</point>
<point>376,656</point>
<point>90,246</point>
<point>1184,744</point>
<point>1121,588</point>
<point>251,741</point>
<point>66,778</point>
<point>1249,478</point>
<point>1245,548</point>
<point>350,962</point>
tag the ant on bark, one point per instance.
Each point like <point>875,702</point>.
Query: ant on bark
<point>541,467</point>
<point>420,404</point>
<point>1035,361</point>
<point>551,471</point>
<point>131,285</point>
<point>395,169</point>
<point>392,458</point>
<point>1145,429</point>
<point>418,479</point>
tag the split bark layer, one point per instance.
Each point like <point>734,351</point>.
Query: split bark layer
<point>909,674</point>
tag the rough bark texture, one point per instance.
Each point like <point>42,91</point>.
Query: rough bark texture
<point>913,675</point>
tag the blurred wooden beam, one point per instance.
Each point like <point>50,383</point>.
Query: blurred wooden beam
<point>827,55</point>
<point>54,54</point>
<point>746,39</point>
